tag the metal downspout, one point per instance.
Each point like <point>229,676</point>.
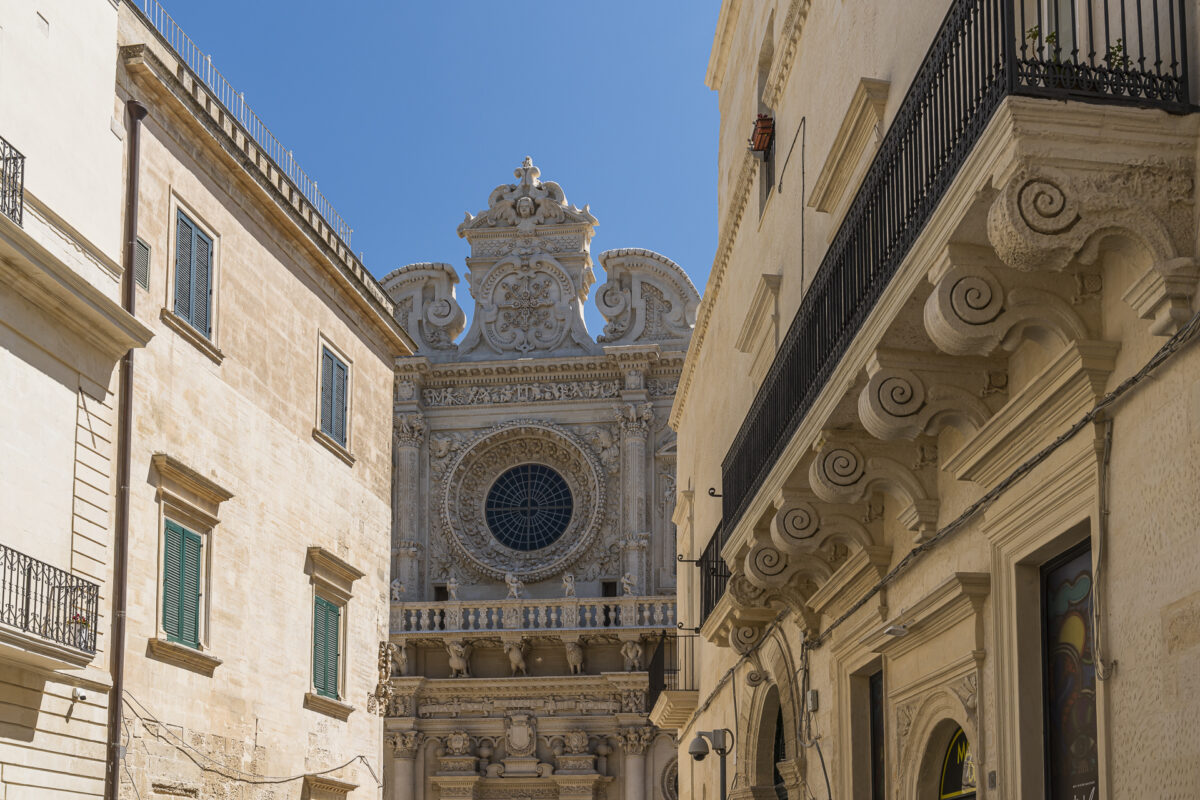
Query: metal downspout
<point>116,647</point>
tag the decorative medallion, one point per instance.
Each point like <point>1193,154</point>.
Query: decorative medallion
<point>526,497</point>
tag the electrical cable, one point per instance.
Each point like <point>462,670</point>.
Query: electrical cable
<point>223,770</point>
<point>1184,336</point>
<point>1104,669</point>
<point>124,763</point>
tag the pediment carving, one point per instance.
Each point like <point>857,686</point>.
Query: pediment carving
<point>647,298</point>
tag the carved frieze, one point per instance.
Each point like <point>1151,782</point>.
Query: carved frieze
<point>520,393</point>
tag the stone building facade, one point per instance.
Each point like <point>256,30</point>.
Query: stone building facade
<point>532,550</point>
<point>947,551</point>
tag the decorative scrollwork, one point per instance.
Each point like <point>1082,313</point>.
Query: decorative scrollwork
<point>1044,207</point>
<point>976,298</point>
<point>766,566</point>
<point>794,527</point>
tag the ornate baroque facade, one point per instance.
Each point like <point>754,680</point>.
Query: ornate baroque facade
<point>533,558</point>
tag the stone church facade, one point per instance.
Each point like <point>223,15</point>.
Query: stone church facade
<point>533,550</point>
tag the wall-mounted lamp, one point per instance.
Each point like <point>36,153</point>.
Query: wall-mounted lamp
<point>896,630</point>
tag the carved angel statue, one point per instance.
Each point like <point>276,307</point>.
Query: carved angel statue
<point>516,657</point>
<point>575,657</point>
<point>628,584</point>
<point>452,588</point>
<point>632,652</point>
<point>568,581</point>
<point>460,659</point>
<point>397,591</point>
<point>400,656</point>
<point>514,585</point>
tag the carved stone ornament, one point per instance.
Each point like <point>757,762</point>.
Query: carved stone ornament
<point>635,740</point>
<point>575,741</point>
<point>458,743</point>
<point>897,403</point>
<point>648,298</point>
<point>635,418</point>
<point>527,204</point>
<point>475,469</point>
<point>520,393</point>
<point>409,429</point>
<point>520,735</point>
<point>426,305</point>
<point>405,744</point>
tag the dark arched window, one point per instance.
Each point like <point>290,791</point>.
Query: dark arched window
<point>779,754</point>
<point>957,780</point>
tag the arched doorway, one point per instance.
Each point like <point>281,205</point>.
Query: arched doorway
<point>779,754</point>
<point>957,779</point>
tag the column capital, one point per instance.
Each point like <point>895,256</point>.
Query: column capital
<point>635,740</point>
<point>635,418</point>
<point>410,429</point>
<point>405,744</point>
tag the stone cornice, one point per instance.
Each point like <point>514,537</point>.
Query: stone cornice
<point>722,40</point>
<point>793,27</point>
<point>716,278</point>
<point>146,62</point>
<point>174,471</point>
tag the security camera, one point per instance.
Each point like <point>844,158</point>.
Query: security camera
<point>698,749</point>
<point>78,695</point>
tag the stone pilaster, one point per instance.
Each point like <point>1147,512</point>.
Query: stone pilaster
<point>405,746</point>
<point>409,434</point>
<point>635,420</point>
<point>635,741</point>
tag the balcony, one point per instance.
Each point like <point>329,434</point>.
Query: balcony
<point>12,182</point>
<point>673,692</point>
<point>984,51</point>
<point>47,616</point>
<point>567,614</point>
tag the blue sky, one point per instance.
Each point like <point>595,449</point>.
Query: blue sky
<point>409,113</point>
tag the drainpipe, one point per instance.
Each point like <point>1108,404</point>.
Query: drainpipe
<point>116,647</point>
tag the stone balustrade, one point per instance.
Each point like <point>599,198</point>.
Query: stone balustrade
<point>533,614</point>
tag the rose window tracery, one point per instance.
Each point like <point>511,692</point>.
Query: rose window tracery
<point>529,507</point>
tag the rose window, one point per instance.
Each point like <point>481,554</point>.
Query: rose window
<point>528,507</point>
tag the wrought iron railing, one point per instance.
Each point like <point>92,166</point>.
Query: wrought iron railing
<point>672,667</point>
<point>200,63</point>
<point>12,182</point>
<point>714,573</point>
<point>47,601</point>
<point>1113,51</point>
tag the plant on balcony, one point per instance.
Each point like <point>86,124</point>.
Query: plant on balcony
<point>80,620</point>
<point>1034,35</point>
<point>764,132</point>
<point>1116,56</point>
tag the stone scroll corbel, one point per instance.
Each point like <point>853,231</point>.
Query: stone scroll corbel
<point>426,305</point>
<point>647,298</point>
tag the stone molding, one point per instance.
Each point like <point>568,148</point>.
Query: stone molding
<point>181,655</point>
<point>790,33</point>
<point>332,573</point>
<point>328,706</point>
<point>425,303</point>
<point>863,119</point>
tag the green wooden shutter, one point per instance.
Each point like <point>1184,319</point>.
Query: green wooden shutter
<point>189,595</point>
<point>326,646</point>
<point>340,381</point>
<point>327,392</point>
<point>183,266</point>
<point>202,284</point>
<point>172,578</point>
<point>141,263</point>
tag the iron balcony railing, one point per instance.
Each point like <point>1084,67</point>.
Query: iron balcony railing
<point>46,601</point>
<point>234,101</point>
<point>1111,51</point>
<point>714,573</point>
<point>12,182</point>
<point>672,667</point>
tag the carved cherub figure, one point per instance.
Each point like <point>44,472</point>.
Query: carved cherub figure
<point>575,657</point>
<point>628,584</point>
<point>400,655</point>
<point>632,652</point>
<point>514,585</point>
<point>452,588</point>
<point>397,591</point>
<point>568,582</point>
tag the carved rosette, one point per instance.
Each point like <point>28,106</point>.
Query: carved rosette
<point>467,481</point>
<point>405,744</point>
<point>634,741</point>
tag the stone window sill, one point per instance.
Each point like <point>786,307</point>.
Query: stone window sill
<point>183,656</point>
<point>328,706</point>
<point>191,335</point>
<point>335,448</point>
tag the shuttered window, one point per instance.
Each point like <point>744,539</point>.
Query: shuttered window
<point>335,378</point>
<point>182,550</point>
<point>193,275</point>
<point>141,263</point>
<point>326,643</point>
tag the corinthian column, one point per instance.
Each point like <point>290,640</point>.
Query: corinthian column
<point>409,432</point>
<point>634,741</point>
<point>635,419</point>
<point>404,753</point>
